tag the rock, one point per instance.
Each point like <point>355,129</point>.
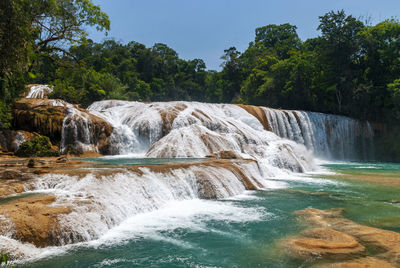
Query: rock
<point>10,140</point>
<point>11,174</point>
<point>37,115</point>
<point>373,237</point>
<point>385,243</point>
<point>53,117</point>
<point>258,113</point>
<point>40,171</point>
<point>323,242</point>
<point>62,160</point>
<point>33,220</point>
<point>226,155</point>
<point>367,262</point>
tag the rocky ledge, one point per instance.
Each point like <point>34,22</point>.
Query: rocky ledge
<point>33,219</point>
<point>55,119</point>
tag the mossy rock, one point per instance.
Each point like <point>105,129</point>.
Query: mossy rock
<point>38,146</point>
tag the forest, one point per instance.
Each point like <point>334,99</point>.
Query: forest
<point>352,68</point>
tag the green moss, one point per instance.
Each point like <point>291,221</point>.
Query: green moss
<point>73,151</point>
<point>38,146</point>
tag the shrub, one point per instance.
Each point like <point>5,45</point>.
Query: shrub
<point>5,260</point>
<point>31,163</point>
<point>38,146</point>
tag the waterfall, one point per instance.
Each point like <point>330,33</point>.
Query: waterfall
<point>264,146</point>
<point>200,129</point>
<point>39,91</point>
<point>102,202</point>
<point>193,129</point>
<point>77,131</point>
<point>328,136</point>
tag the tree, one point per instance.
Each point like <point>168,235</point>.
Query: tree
<point>380,45</point>
<point>60,23</point>
<point>231,73</point>
<point>15,45</point>
<point>338,49</point>
<point>33,29</point>
<point>279,39</point>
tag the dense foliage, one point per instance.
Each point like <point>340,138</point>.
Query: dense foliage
<point>351,68</point>
<point>32,31</point>
<point>38,146</point>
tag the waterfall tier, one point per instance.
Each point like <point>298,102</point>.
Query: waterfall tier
<point>264,146</point>
<point>182,129</point>
<point>39,91</point>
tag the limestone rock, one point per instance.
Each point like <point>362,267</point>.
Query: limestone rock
<point>367,262</point>
<point>54,118</point>
<point>323,242</point>
<point>12,174</point>
<point>32,220</point>
<point>10,140</point>
<point>385,243</point>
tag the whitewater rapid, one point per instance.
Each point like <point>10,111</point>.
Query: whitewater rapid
<point>112,207</point>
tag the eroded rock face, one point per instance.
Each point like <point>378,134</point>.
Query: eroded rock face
<point>332,235</point>
<point>10,140</point>
<point>41,116</point>
<point>65,124</point>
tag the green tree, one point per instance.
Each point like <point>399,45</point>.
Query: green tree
<point>31,30</point>
<point>338,50</point>
<point>279,39</point>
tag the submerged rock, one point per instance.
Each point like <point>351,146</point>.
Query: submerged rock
<point>367,262</point>
<point>384,244</point>
<point>323,243</point>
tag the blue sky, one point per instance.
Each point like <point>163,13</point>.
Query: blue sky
<point>204,28</point>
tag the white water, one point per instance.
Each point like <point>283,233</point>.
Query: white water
<point>39,92</point>
<point>77,131</point>
<point>192,129</point>
<point>328,136</point>
<point>110,208</point>
<point>106,206</point>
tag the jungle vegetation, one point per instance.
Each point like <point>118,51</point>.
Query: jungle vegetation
<point>352,68</point>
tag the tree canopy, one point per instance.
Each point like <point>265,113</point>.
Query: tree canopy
<point>33,30</point>
<point>351,68</point>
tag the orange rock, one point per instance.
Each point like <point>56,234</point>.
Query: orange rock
<point>367,262</point>
<point>33,220</point>
<point>323,242</point>
<point>46,117</point>
<point>380,240</point>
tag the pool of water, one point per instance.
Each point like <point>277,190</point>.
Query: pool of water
<point>238,232</point>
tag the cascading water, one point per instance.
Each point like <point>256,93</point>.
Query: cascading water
<point>137,126</point>
<point>266,151</point>
<point>76,131</point>
<point>328,136</point>
<point>39,91</point>
<point>191,129</point>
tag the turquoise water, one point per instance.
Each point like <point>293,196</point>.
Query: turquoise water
<point>239,232</point>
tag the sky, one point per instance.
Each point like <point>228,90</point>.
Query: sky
<point>204,28</point>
